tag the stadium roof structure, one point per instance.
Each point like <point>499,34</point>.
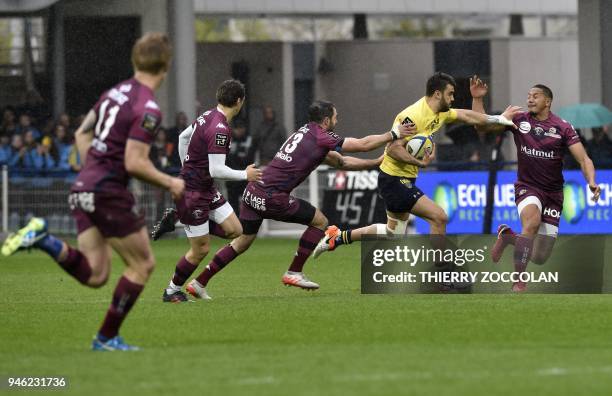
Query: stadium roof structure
<point>340,7</point>
<point>19,6</point>
<point>387,7</point>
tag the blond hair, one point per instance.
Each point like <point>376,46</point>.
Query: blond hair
<point>152,53</point>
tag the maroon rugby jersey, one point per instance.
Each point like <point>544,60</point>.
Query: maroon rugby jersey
<point>211,135</point>
<point>541,146</point>
<point>126,111</point>
<point>305,149</point>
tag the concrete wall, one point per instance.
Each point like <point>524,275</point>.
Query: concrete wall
<point>550,62</point>
<point>595,51</point>
<point>153,14</point>
<point>373,81</point>
<point>265,61</point>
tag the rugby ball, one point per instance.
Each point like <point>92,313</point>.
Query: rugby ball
<point>419,145</point>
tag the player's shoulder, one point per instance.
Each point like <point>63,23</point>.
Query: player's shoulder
<point>563,124</point>
<point>521,116</point>
<point>411,112</point>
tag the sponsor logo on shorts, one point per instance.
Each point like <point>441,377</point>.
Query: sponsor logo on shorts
<point>524,127</point>
<point>255,202</point>
<point>552,213</point>
<point>406,182</point>
<point>83,201</point>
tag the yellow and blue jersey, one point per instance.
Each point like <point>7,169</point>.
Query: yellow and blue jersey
<point>427,123</point>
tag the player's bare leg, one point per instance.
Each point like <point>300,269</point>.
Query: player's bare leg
<point>89,264</point>
<point>523,246</point>
<point>231,228</point>
<point>136,253</point>
<point>431,212</point>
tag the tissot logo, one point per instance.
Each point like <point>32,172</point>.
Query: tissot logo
<point>537,153</point>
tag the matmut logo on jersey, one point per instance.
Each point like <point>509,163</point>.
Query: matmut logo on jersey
<point>535,153</point>
<point>354,180</point>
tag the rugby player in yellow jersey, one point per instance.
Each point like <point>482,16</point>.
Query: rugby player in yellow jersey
<point>399,169</point>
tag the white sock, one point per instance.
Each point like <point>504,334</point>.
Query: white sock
<point>172,288</point>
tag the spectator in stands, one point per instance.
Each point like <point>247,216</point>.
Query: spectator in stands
<point>34,106</point>
<point>5,149</point>
<point>9,124</point>
<point>599,148</point>
<point>64,120</point>
<point>61,147</point>
<point>240,156</point>
<point>38,157</point>
<point>172,134</point>
<point>25,125</point>
<point>161,150</point>
<point>18,152</point>
<point>269,136</point>
<point>48,127</point>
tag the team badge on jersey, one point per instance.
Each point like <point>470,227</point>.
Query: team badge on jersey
<point>149,123</point>
<point>221,140</point>
<point>538,130</point>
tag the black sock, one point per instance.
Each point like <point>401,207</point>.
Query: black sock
<point>344,238</point>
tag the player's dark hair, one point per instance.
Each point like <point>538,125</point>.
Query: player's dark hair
<point>320,109</point>
<point>229,92</point>
<point>547,91</point>
<point>438,82</point>
<point>152,53</point>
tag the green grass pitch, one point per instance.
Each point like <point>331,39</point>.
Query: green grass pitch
<point>258,337</point>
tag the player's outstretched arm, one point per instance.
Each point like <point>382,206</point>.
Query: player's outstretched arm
<point>138,164</point>
<point>218,170</point>
<point>479,119</point>
<point>83,135</point>
<point>371,142</point>
<point>344,162</point>
<point>587,167</point>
